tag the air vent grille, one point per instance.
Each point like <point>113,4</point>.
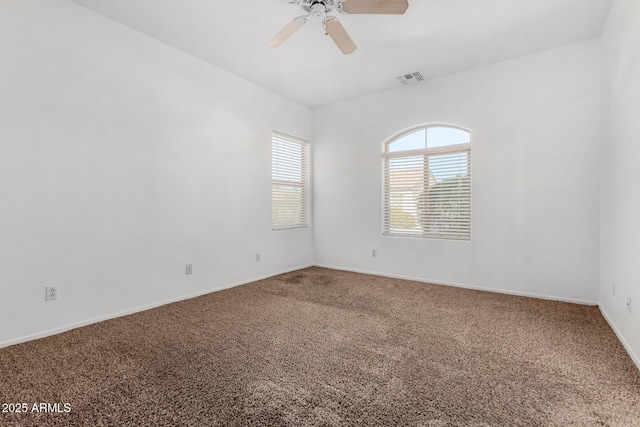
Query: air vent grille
<point>410,78</point>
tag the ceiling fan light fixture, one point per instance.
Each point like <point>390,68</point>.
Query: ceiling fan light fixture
<point>318,10</point>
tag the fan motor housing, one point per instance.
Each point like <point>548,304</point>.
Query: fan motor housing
<point>318,8</point>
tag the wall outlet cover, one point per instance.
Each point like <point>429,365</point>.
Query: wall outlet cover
<point>51,293</point>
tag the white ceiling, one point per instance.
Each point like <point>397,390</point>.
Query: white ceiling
<point>435,37</point>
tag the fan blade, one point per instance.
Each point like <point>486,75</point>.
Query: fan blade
<point>339,35</point>
<point>387,7</point>
<point>287,31</point>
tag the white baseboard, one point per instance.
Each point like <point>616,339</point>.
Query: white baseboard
<point>621,337</point>
<point>461,285</point>
<point>86,322</point>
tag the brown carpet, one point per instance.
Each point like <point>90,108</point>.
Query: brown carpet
<point>321,347</point>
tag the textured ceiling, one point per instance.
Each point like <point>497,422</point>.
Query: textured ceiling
<point>435,37</point>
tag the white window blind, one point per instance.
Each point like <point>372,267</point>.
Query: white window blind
<point>427,184</point>
<point>289,182</point>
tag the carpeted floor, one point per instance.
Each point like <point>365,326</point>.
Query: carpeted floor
<point>320,347</point>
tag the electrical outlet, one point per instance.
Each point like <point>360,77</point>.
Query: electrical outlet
<point>374,253</point>
<point>189,268</point>
<point>629,304</point>
<point>51,293</point>
<point>257,257</point>
<point>613,288</point>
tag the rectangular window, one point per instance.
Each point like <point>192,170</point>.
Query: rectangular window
<point>289,182</point>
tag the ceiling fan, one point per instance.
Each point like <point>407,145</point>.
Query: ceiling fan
<point>331,25</point>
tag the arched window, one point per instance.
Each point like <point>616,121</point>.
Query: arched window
<point>427,183</point>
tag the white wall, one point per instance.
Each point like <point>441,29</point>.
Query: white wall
<point>535,138</point>
<point>620,196</point>
<point>122,160</point>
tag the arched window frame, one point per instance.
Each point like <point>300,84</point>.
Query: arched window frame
<point>441,214</point>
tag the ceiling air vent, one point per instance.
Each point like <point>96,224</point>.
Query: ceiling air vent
<point>410,78</point>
